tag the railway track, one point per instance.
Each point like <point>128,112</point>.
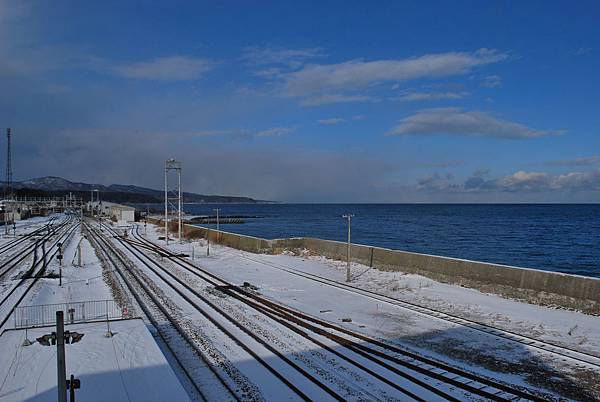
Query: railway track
<point>168,328</point>
<point>22,238</point>
<point>15,260</point>
<point>563,352</point>
<point>385,363</point>
<point>29,278</point>
<point>298,382</point>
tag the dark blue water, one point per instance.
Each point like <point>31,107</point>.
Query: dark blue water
<point>563,238</point>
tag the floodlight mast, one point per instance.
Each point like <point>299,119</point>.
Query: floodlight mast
<point>172,164</point>
<point>179,203</point>
<point>166,205</point>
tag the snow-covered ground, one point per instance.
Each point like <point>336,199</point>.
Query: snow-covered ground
<point>275,277</point>
<point>131,366</point>
<point>79,283</point>
<point>126,367</point>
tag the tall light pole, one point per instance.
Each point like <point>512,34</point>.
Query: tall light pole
<point>166,205</point>
<point>218,234</point>
<point>172,164</point>
<point>179,202</point>
<point>349,218</point>
<point>8,190</point>
<point>208,239</point>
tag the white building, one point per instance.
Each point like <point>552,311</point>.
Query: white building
<point>117,212</point>
<point>122,213</point>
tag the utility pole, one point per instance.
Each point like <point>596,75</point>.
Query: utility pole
<point>208,239</point>
<point>218,234</point>
<point>349,218</point>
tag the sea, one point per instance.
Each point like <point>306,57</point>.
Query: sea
<point>553,237</point>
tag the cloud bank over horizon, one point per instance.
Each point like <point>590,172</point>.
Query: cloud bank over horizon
<point>285,113</point>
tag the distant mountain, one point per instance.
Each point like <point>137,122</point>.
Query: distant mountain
<point>51,185</point>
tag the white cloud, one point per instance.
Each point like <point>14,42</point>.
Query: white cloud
<point>491,81</point>
<point>584,161</point>
<point>518,182</point>
<point>262,55</point>
<point>538,181</point>
<point>442,164</point>
<point>356,74</point>
<point>268,72</point>
<point>332,121</point>
<point>359,117</point>
<point>455,121</point>
<point>437,182</point>
<point>171,68</point>
<point>336,98</point>
<point>274,132</point>
<point>425,96</point>
<point>582,50</point>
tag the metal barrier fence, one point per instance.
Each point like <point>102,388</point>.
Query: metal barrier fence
<point>45,314</point>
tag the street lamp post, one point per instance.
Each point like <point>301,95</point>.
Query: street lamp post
<point>349,218</point>
<point>208,239</point>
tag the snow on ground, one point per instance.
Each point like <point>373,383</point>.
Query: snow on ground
<point>573,329</point>
<point>481,352</point>
<point>127,367</point>
<point>24,226</point>
<point>79,283</point>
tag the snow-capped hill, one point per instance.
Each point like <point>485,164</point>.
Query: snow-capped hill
<point>53,183</point>
<point>117,192</point>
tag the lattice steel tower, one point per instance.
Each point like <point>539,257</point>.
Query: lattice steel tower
<point>8,184</point>
<point>172,196</point>
<point>8,190</point>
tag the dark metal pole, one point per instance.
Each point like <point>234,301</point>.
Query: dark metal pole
<point>72,389</point>
<point>60,357</point>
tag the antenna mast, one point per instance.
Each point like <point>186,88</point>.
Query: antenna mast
<point>8,190</point>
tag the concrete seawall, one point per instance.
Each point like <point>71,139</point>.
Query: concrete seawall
<point>531,285</point>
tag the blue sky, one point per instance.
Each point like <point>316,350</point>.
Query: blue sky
<point>298,101</point>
